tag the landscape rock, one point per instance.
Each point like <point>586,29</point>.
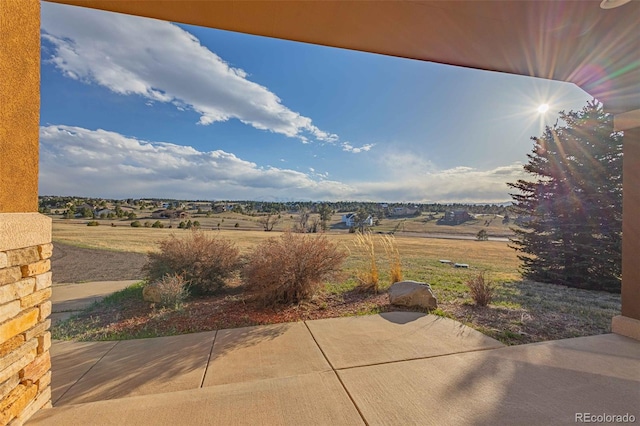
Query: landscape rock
<point>412,293</point>
<point>151,293</point>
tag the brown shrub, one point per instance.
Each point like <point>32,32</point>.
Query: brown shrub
<point>204,262</point>
<point>481,290</point>
<point>291,268</point>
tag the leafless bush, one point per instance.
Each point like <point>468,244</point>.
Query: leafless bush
<point>204,262</point>
<point>291,268</point>
<point>481,290</point>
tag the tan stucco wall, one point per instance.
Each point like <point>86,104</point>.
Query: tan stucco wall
<point>19,104</point>
<point>631,224</point>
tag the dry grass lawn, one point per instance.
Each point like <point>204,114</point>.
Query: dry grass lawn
<point>521,312</point>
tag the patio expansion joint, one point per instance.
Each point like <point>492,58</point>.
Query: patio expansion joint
<point>337,375</point>
<point>87,372</point>
<point>418,358</point>
<point>206,367</point>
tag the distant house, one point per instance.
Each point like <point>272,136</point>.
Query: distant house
<point>85,206</point>
<point>349,220</point>
<point>104,212</point>
<point>455,217</point>
<point>202,206</point>
<point>403,211</point>
<point>169,214</point>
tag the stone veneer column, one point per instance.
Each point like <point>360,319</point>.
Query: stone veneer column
<point>25,292</point>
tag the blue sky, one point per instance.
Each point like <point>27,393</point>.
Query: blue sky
<point>135,107</point>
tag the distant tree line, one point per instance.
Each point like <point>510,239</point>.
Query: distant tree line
<point>380,210</point>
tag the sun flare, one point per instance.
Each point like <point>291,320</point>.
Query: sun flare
<point>543,108</point>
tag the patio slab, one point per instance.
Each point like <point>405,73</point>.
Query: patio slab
<point>546,383</point>
<point>263,352</point>
<point>71,360</point>
<point>144,366</point>
<point>310,399</point>
<point>394,336</point>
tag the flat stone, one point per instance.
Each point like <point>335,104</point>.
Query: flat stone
<point>23,256</point>
<point>18,324</point>
<point>18,230</point>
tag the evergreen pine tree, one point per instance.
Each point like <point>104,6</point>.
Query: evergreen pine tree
<point>571,214</point>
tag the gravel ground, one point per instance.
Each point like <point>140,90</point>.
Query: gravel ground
<point>71,264</point>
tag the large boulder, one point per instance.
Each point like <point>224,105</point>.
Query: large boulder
<point>151,293</point>
<point>412,293</point>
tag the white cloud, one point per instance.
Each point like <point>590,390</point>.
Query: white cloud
<point>163,63</point>
<point>100,163</point>
<point>346,146</point>
<point>460,184</point>
<point>79,161</point>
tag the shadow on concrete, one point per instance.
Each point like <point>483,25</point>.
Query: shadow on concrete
<point>549,382</point>
<point>95,371</point>
<point>401,317</point>
<point>546,383</point>
<point>139,367</point>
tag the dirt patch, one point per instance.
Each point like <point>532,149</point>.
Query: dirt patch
<point>71,264</point>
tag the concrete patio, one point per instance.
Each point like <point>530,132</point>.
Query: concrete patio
<point>393,368</point>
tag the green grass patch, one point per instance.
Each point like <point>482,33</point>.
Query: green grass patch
<point>439,312</point>
<point>133,292</point>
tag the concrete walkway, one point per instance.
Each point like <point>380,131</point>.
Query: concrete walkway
<point>69,299</point>
<point>394,368</point>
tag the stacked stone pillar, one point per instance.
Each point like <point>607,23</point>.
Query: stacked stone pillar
<point>25,305</point>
